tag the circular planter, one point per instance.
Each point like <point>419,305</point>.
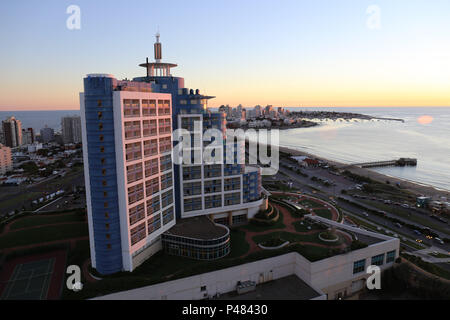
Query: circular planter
<point>328,240</point>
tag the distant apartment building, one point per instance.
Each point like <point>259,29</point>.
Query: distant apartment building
<point>47,134</point>
<point>27,136</point>
<point>71,129</point>
<point>5,159</point>
<point>12,132</point>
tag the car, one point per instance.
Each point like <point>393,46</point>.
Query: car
<point>417,232</point>
<point>398,225</point>
<point>365,214</point>
<point>439,240</point>
<point>419,241</point>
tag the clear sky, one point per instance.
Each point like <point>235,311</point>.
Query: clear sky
<point>280,52</point>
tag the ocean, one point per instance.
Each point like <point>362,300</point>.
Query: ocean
<point>39,119</point>
<point>424,135</point>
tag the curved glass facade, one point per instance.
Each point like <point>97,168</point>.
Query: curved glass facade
<point>198,249</point>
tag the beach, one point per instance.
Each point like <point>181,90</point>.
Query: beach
<point>413,187</point>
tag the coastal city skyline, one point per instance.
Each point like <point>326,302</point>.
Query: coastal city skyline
<point>324,54</point>
<point>239,153</point>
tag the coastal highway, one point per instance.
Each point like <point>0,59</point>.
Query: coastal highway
<point>306,185</point>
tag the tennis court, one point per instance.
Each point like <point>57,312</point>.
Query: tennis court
<point>29,281</point>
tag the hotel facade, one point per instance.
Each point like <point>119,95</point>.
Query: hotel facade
<point>135,193</point>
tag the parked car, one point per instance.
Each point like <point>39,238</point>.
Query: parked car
<point>417,232</point>
<point>439,240</point>
<point>398,225</point>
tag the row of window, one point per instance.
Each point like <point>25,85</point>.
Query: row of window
<point>133,151</point>
<point>378,260</point>
<point>152,186</point>
<point>149,128</point>
<point>215,201</point>
<point>132,107</point>
<point>139,232</point>
<point>151,167</point>
<point>153,205</point>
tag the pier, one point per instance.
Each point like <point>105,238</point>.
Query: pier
<point>397,163</point>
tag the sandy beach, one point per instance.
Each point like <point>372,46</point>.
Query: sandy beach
<point>413,187</point>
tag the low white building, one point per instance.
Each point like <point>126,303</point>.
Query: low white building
<point>332,278</point>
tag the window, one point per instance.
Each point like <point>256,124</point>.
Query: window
<point>192,188</point>
<point>102,149</point>
<point>100,126</point>
<point>232,198</point>
<point>108,236</point>
<point>167,215</point>
<point>166,181</point>
<point>165,144</point>
<point>153,205</point>
<point>100,114</point>
<point>152,186</point>
<point>133,151</point>
<point>359,266</point>
<point>104,183</point>
<point>151,167</point>
<point>166,163</point>
<point>99,103</point>
<point>137,233</point>
<point>390,256</point>
<point>132,130</point>
<point>167,198</point>
<point>150,148</point>
<point>104,172</point>
<point>108,246</point>
<point>131,108</point>
<point>134,172</point>
<point>149,128</point>
<point>103,160</point>
<point>101,137</point>
<point>136,214</point>
<point>107,226</point>
<point>212,186</point>
<point>154,223</point>
<point>192,204</point>
<point>106,215</point>
<point>135,193</point>
<point>203,288</point>
<point>213,201</point>
<point>378,260</point>
<point>105,194</point>
<point>149,107</point>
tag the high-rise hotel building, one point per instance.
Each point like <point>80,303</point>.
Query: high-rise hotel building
<point>127,139</point>
<point>132,199</point>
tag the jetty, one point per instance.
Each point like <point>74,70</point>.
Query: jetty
<point>402,162</point>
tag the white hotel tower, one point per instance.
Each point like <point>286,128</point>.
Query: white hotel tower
<point>127,145</point>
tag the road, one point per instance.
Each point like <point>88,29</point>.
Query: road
<point>305,184</point>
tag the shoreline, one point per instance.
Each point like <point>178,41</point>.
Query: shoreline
<point>414,187</point>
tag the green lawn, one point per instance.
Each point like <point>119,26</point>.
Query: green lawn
<point>291,237</point>
<point>239,246</point>
<point>44,234</point>
<point>37,220</point>
<point>17,201</point>
<point>324,213</point>
<point>310,203</point>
